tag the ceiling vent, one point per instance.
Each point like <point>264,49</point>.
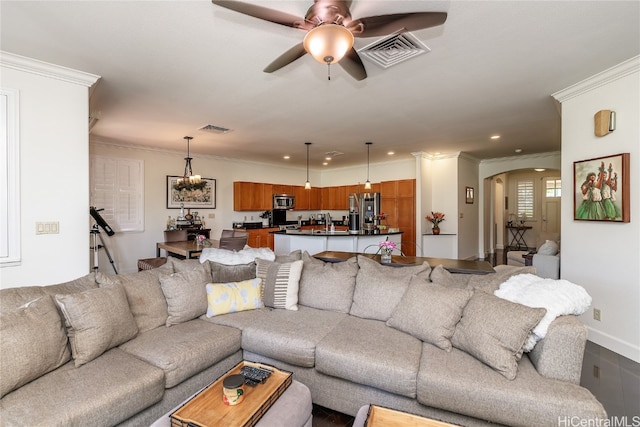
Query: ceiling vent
<point>214,129</point>
<point>333,154</point>
<point>394,49</point>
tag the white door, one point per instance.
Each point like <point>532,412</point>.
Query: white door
<point>551,204</point>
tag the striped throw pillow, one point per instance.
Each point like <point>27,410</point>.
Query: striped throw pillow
<point>280,282</point>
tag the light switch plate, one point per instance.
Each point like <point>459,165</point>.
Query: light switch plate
<point>49,227</point>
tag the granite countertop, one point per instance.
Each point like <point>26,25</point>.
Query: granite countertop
<point>322,233</point>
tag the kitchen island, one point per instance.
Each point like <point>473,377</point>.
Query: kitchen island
<point>316,241</point>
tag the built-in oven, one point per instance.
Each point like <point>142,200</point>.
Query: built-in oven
<point>284,201</point>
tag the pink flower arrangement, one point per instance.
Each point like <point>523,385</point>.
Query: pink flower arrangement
<point>435,218</point>
<point>202,240</point>
<point>387,246</point>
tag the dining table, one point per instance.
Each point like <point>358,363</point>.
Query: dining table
<point>184,248</point>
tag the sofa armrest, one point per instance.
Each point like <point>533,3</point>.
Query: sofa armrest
<point>559,355</point>
<point>547,266</point>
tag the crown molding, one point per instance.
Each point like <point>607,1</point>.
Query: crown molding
<point>616,72</point>
<point>538,156</point>
<point>44,69</point>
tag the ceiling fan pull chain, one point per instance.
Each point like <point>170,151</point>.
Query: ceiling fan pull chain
<point>328,70</point>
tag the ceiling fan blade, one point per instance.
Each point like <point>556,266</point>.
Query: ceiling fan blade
<point>383,25</point>
<point>286,58</point>
<point>265,13</point>
<point>353,65</point>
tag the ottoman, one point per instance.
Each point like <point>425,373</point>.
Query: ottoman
<point>292,409</point>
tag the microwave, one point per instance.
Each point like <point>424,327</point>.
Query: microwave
<point>284,201</point>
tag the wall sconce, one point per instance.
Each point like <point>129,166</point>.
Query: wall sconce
<point>604,122</point>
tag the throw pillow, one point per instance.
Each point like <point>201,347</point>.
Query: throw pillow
<point>494,331</point>
<point>489,283</point>
<point>549,247</point>
<point>146,300</point>
<point>33,342</point>
<point>97,320</point>
<point>328,285</point>
<point>290,257</point>
<point>228,257</point>
<point>280,283</point>
<point>232,297</point>
<point>430,312</point>
<point>180,265</point>
<point>379,288</point>
<point>444,277</point>
<point>186,295</point>
<point>222,273</point>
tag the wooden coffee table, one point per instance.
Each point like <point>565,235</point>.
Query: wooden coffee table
<point>377,416</point>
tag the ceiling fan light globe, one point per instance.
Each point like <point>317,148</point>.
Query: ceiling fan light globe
<point>328,43</point>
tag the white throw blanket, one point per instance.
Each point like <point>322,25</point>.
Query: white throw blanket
<point>227,257</point>
<point>559,297</point>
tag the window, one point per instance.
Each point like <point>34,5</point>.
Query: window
<point>117,189</point>
<point>525,198</point>
<point>553,187</point>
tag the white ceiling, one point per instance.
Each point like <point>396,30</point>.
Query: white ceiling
<point>170,67</point>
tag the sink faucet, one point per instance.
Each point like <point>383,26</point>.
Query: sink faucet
<point>327,223</point>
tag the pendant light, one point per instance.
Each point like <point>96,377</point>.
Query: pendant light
<point>367,184</point>
<point>307,185</point>
<point>189,181</point>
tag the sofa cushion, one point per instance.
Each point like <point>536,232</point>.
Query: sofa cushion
<point>104,392</point>
<point>229,257</point>
<point>224,298</point>
<point>280,283</point>
<point>222,273</point>
<point>290,336</point>
<point>494,331</point>
<point>185,349</point>
<point>446,378</point>
<point>96,320</point>
<point>327,285</point>
<point>430,312</point>
<point>144,294</point>
<point>185,294</point>
<point>491,282</point>
<point>33,342</point>
<point>12,298</point>
<point>368,352</point>
<point>290,257</point>
<point>443,277</point>
<point>180,265</point>
<point>379,287</point>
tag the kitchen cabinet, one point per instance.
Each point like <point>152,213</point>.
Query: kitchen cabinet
<point>307,200</point>
<point>251,196</point>
<point>282,189</point>
<point>260,237</point>
<point>398,202</point>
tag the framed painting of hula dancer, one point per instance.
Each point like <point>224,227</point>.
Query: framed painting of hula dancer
<point>601,189</point>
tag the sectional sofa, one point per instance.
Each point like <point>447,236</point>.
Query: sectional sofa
<point>107,350</point>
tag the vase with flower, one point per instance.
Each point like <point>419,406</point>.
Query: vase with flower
<point>435,218</point>
<point>386,248</point>
<point>201,240</point>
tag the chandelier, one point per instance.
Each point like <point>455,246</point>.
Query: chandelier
<point>189,181</point>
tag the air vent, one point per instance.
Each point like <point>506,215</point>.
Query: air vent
<point>214,129</point>
<point>394,49</point>
<point>333,153</point>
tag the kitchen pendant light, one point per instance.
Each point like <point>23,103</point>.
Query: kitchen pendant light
<point>189,181</point>
<point>367,184</point>
<point>307,185</point>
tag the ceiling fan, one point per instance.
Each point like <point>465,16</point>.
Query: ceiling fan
<point>334,16</point>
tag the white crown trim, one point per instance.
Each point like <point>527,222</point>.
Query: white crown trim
<point>41,68</point>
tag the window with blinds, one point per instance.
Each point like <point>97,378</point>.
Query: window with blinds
<point>525,199</point>
<point>117,187</point>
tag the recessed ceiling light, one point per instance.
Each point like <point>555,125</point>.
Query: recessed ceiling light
<point>539,169</point>
<point>286,157</point>
<point>391,153</point>
<point>495,136</point>
<point>518,150</point>
<point>325,163</point>
<point>327,158</point>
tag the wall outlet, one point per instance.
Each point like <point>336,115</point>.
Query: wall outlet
<point>596,371</point>
<point>596,314</point>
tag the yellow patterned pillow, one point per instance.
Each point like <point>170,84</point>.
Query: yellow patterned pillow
<point>223,298</point>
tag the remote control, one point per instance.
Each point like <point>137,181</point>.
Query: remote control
<point>254,376</point>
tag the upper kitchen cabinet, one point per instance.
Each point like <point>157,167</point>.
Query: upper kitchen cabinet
<point>307,200</point>
<point>282,189</point>
<point>251,196</point>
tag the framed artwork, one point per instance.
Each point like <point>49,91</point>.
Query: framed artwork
<point>469,195</point>
<point>203,198</point>
<point>601,189</point>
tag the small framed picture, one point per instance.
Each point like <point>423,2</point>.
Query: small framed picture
<point>601,189</point>
<point>469,195</point>
<point>202,195</point>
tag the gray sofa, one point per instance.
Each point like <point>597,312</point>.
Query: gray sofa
<point>123,350</point>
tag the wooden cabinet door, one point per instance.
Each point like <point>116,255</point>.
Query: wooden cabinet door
<point>242,196</point>
<point>406,188</point>
<point>325,196</point>
<point>302,198</point>
<point>267,197</point>
<point>282,189</point>
<point>315,199</point>
<point>342,199</point>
